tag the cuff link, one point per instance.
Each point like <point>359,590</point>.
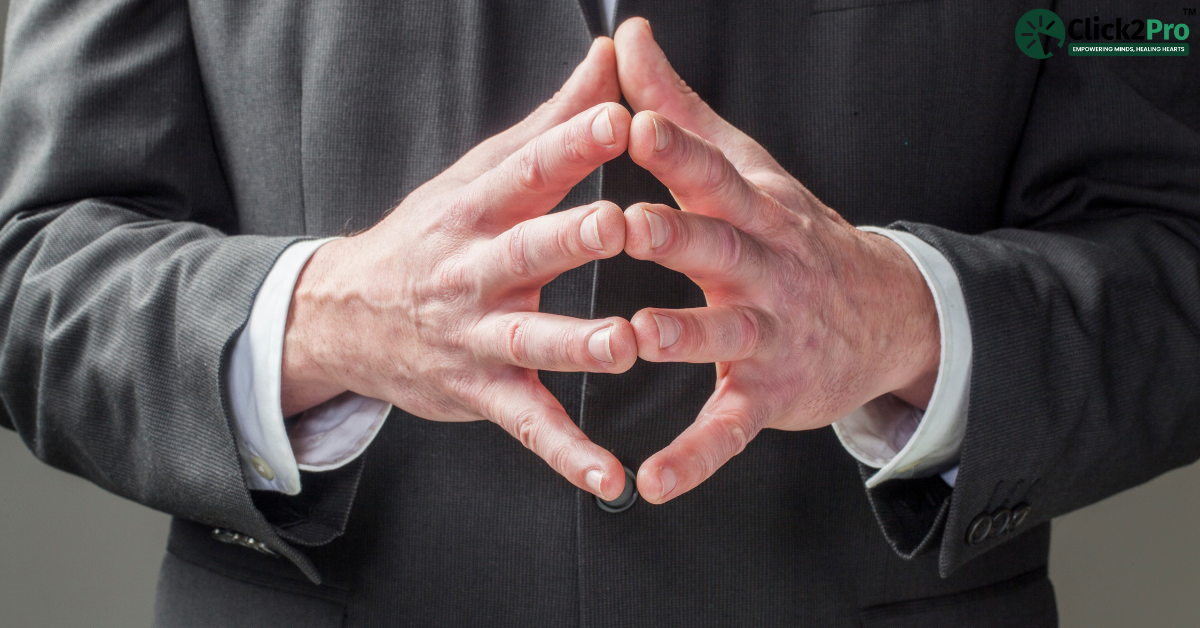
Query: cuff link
<point>262,468</point>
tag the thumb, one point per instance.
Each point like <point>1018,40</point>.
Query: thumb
<point>594,81</point>
<point>649,82</point>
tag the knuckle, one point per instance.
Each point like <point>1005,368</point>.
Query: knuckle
<point>515,332</point>
<point>552,103</point>
<point>730,250</point>
<point>750,332</point>
<point>564,243</point>
<point>681,151</point>
<point>700,456</point>
<point>456,211</point>
<point>526,427</point>
<point>465,387</point>
<point>733,433</point>
<point>716,177</point>
<point>449,283</point>
<point>687,91</point>
<point>559,458</point>
<point>529,171</point>
<point>575,144</point>
<point>517,256</point>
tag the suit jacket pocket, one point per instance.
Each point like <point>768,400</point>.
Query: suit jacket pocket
<point>1026,601</point>
<point>191,596</point>
<point>204,582</point>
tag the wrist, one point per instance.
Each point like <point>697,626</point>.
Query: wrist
<point>310,342</point>
<point>909,313</point>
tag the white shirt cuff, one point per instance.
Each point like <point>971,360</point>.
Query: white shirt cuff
<point>323,438</point>
<point>895,437</point>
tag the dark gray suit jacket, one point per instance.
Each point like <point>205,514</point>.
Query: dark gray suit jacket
<point>157,155</point>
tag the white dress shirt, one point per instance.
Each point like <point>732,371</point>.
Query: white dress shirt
<point>323,438</point>
<point>886,433</point>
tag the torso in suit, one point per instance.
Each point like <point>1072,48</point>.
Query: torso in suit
<point>315,118</point>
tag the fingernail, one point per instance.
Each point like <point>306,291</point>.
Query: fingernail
<point>594,479</point>
<point>667,478</point>
<point>661,135</point>
<point>589,232</point>
<point>600,345</point>
<point>658,228</point>
<point>602,129</point>
<point>668,330</point>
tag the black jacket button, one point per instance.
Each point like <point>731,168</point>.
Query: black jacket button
<point>625,499</point>
<point>979,530</point>
<point>1019,513</point>
<point>1000,520</point>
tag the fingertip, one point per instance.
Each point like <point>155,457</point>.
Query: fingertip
<point>606,127</point>
<point>647,229</point>
<point>646,133</point>
<point>604,52</point>
<point>602,475</point>
<point>604,229</point>
<point>594,479</point>
<point>622,344</point>
<point>620,115</point>
<point>614,484</point>
<point>599,44</point>
<point>614,480</point>
<point>647,335</point>
<point>657,482</point>
<point>595,78</point>
<point>604,49</point>
<point>620,120</point>
<point>647,78</point>
<point>631,26</point>
<point>637,229</point>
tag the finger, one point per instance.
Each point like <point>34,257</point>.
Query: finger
<point>705,334</point>
<point>594,81</point>
<point>549,342</point>
<point>727,423</point>
<point>526,410</point>
<point>649,82</point>
<point>533,180</point>
<point>697,173</point>
<point>538,250</point>
<point>710,251</point>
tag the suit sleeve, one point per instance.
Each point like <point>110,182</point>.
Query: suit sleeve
<point>1084,310</point>
<point>121,290</point>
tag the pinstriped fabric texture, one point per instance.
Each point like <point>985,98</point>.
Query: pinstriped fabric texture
<point>159,154</point>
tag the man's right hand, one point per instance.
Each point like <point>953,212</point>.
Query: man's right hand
<point>435,308</point>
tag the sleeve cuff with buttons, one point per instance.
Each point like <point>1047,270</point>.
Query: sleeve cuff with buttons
<point>897,438</point>
<point>323,438</point>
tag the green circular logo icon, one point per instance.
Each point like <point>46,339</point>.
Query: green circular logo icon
<point>1035,31</point>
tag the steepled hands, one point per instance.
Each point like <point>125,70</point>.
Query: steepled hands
<point>807,317</point>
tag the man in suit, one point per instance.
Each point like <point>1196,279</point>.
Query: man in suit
<point>165,158</point>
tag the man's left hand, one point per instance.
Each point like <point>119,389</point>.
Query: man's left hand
<point>808,317</point>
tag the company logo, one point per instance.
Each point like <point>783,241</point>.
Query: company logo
<point>1037,31</point>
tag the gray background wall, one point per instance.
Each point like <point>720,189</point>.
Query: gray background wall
<point>72,555</point>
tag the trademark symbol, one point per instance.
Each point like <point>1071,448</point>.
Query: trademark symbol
<point>1187,11</point>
